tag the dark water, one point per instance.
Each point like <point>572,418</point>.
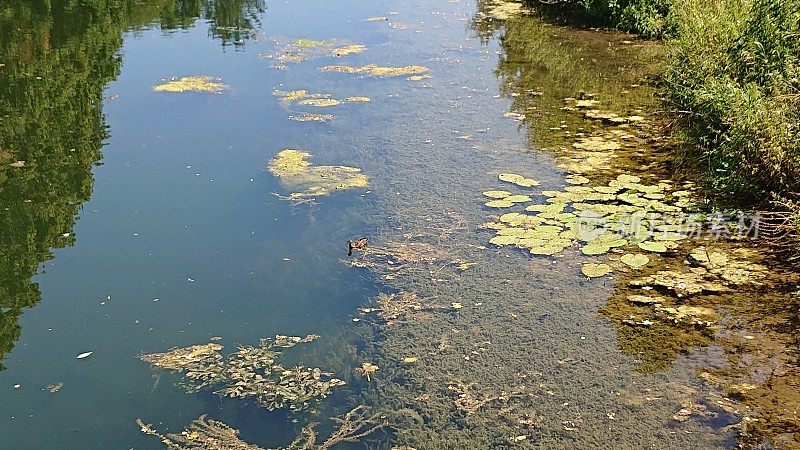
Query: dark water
<point>145,220</point>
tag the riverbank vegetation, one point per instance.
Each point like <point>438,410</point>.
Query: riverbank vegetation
<point>733,74</point>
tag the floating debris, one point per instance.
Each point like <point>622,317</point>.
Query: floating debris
<point>645,300</point>
<point>54,387</point>
<point>681,284</point>
<point>249,372</point>
<point>377,71</point>
<point>296,172</point>
<point>192,84</point>
<point>735,267</point>
<point>311,117</point>
<point>694,315</point>
<point>366,370</point>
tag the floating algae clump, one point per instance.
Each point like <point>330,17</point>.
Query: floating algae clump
<point>378,71</point>
<point>191,84</point>
<point>305,98</point>
<point>249,372</point>
<point>210,434</point>
<point>296,172</point>
<point>319,102</point>
<point>349,50</point>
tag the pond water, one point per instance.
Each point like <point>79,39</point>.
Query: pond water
<point>145,220</point>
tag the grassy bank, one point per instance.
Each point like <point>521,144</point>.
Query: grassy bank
<point>734,75</point>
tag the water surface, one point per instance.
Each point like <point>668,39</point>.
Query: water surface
<point>144,220</point>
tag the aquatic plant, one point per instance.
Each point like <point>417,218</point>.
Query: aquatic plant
<point>249,372</point>
<point>304,98</point>
<point>210,434</point>
<point>377,71</point>
<point>295,171</point>
<point>191,84</point>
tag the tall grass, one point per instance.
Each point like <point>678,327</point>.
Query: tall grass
<point>734,70</point>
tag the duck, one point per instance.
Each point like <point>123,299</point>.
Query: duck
<point>359,244</point>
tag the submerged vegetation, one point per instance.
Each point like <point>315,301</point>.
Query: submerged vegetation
<point>209,434</point>
<point>249,373</point>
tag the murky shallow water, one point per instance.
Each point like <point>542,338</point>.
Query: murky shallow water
<point>176,237</point>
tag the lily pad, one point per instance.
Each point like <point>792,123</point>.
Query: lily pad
<point>655,247</point>
<point>576,179</point>
<point>635,261</point>
<point>595,249</point>
<point>504,240</point>
<point>545,250</point>
<point>628,179</point>
<point>497,194</point>
<point>517,179</point>
<point>310,117</point>
<point>517,198</point>
<point>499,204</point>
<point>595,270</point>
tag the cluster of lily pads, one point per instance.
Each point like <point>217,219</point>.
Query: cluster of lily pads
<point>599,218</point>
<point>296,172</point>
<point>249,373</point>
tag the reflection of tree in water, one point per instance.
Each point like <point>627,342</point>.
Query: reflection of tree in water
<point>540,64</point>
<point>231,21</point>
<point>57,57</point>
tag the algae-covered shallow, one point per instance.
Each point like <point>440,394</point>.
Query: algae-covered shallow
<point>431,337</point>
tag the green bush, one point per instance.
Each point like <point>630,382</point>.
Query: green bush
<point>642,16</point>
